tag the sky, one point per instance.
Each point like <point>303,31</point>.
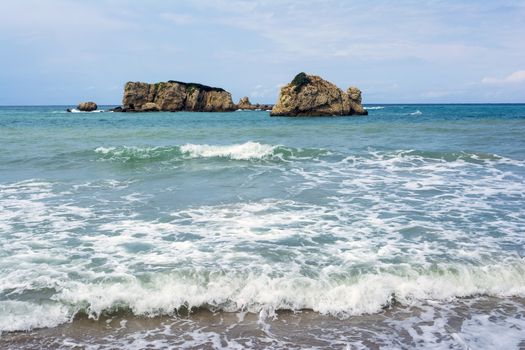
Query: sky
<point>66,51</point>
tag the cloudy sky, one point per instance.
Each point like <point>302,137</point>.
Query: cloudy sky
<point>65,51</point>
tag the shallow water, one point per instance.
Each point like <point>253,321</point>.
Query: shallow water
<point>357,222</point>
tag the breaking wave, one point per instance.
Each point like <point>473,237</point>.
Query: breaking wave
<point>331,293</point>
<point>244,151</point>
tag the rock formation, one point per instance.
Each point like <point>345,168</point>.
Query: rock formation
<point>87,106</point>
<point>310,95</point>
<point>354,94</point>
<point>175,96</point>
<point>245,104</point>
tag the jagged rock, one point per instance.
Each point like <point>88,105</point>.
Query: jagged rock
<point>310,95</point>
<point>87,106</point>
<point>176,96</point>
<point>354,94</point>
<point>245,104</point>
<point>149,107</point>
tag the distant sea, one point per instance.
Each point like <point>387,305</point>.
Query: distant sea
<point>401,229</point>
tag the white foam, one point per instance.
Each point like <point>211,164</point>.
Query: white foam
<point>418,112</point>
<point>105,150</point>
<point>493,332</point>
<point>251,282</point>
<point>244,151</point>
<point>373,108</point>
<point>25,316</point>
<point>74,110</point>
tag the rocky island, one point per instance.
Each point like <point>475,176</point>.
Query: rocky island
<point>306,95</point>
<point>174,96</point>
<point>310,95</point>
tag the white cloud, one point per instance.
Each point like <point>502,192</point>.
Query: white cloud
<point>514,78</point>
<point>289,26</point>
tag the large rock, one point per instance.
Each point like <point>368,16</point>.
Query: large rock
<point>310,95</point>
<point>87,106</point>
<point>176,96</point>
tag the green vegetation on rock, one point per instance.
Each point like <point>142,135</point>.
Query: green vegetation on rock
<point>300,80</point>
<point>159,85</point>
<point>197,86</point>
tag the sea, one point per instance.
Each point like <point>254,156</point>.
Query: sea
<point>403,229</point>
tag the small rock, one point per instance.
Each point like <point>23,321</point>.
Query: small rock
<point>87,106</point>
<point>244,103</point>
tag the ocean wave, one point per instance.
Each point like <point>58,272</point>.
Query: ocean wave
<point>255,151</point>
<point>329,294</point>
<point>373,108</point>
<point>245,151</point>
<point>417,112</point>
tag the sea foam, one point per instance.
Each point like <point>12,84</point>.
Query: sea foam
<point>248,150</point>
<point>74,110</point>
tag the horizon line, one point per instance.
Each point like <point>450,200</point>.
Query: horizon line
<point>364,104</point>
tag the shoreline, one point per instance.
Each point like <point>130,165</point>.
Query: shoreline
<point>453,323</point>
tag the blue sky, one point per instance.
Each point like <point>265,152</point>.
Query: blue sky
<point>66,51</point>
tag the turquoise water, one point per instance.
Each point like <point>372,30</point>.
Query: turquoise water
<point>150,213</point>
